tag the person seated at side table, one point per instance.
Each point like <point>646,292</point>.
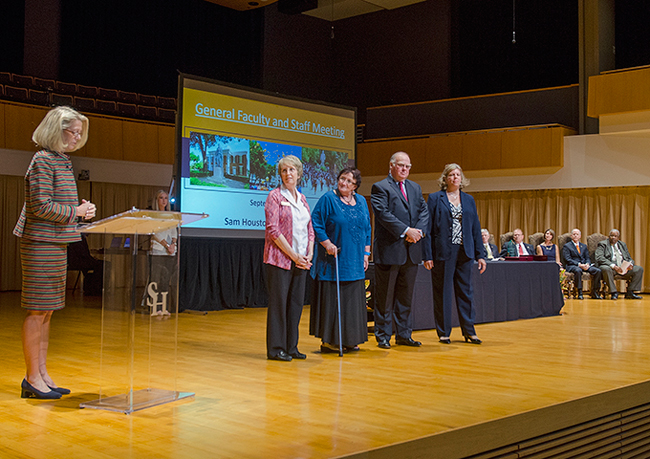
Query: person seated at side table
<point>549,248</point>
<point>576,256</point>
<point>517,247</point>
<point>490,249</point>
<point>612,257</point>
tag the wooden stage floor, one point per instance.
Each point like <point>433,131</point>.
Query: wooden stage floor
<point>325,406</point>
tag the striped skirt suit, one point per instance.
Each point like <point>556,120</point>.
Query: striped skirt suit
<point>46,226</point>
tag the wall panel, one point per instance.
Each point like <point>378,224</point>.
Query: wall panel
<point>105,139</point>
<point>140,141</point>
<point>166,144</point>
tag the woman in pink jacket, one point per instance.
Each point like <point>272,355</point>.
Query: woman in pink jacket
<point>288,250</point>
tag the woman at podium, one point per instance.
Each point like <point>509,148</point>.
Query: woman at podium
<point>288,250</point>
<point>45,227</point>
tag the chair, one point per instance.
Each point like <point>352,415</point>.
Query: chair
<point>167,102</point>
<point>44,84</point>
<point>106,106</point>
<point>62,99</point>
<point>568,285</point>
<point>127,97</point>
<point>24,81</point>
<point>84,103</point>
<point>92,269</point>
<point>535,240</point>
<point>145,99</point>
<point>505,237</point>
<point>167,115</point>
<point>39,97</point>
<point>147,112</point>
<point>17,94</point>
<point>6,78</point>
<point>127,110</point>
<point>69,89</point>
<point>107,94</point>
<point>87,91</point>
<point>592,243</point>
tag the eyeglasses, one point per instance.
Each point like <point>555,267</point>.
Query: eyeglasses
<point>76,134</point>
<point>348,181</point>
<point>403,166</point>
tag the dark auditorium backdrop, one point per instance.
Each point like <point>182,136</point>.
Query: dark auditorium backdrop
<point>431,50</point>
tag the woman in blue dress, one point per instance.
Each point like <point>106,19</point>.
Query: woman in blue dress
<point>341,222</point>
<point>548,248</point>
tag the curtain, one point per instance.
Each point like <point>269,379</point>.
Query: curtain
<point>592,210</point>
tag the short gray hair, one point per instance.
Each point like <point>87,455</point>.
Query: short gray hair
<point>290,160</point>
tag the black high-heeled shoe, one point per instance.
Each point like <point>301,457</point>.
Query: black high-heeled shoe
<point>29,391</point>
<point>60,390</point>
<point>469,339</point>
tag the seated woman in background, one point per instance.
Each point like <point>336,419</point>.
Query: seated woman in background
<point>164,263</point>
<point>548,248</point>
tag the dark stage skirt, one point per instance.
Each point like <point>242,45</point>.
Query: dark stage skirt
<point>44,274</point>
<point>323,318</point>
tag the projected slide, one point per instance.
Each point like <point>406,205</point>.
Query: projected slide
<point>231,142</point>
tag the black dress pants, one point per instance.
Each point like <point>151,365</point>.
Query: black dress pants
<point>394,286</point>
<point>286,289</point>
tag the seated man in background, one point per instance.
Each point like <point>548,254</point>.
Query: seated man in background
<point>576,257</point>
<point>490,249</point>
<point>517,247</point>
<point>612,257</point>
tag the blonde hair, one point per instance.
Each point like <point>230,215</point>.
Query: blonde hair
<point>155,200</point>
<point>290,160</point>
<point>442,181</point>
<point>49,134</point>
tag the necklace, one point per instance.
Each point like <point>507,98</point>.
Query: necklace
<point>347,199</point>
<point>453,195</point>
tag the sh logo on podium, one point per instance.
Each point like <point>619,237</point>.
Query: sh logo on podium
<point>152,300</point>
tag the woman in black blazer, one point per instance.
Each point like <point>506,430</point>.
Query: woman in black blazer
<point>453,243</point>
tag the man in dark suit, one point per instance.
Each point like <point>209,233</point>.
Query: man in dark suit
<point>490,249</point>
<point>577,260</point>
<point>612,257</point>
<point>517,247</point>
<point>401,219</point>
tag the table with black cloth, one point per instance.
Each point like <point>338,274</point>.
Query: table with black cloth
<point>507,290</point>
<point>219,273</point>
<point>216,274</point>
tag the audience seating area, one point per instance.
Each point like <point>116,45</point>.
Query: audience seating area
<point>40,91</point>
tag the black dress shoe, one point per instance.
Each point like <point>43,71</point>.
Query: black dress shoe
<point>407,342</point>
<point>383,343</point>
<point>596,296</point>
<point>445,340</point>
<point>298,355</point>
<point>615,296</point>
<point>29,391</point>
<point>283,356</point>
<point>60,390</point>
<point>632,296</point>
<point>580,297</point>
<point>469,339</point>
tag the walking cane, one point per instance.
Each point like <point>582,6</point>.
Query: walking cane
<point>338,300</point>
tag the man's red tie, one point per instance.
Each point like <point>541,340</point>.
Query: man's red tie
<point>578,247</point>
<point>521,249</point>
<point>401,187</point>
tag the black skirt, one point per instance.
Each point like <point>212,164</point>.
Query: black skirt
<point>323,318</point>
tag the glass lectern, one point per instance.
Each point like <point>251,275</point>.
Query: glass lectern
<point>139,324</point>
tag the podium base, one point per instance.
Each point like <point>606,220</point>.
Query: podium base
<point>138,400</point>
